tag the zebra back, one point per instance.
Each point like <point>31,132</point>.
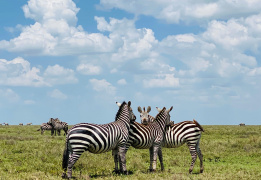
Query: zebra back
<point>101,138</point>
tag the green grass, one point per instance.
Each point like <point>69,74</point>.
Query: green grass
<point>230,152</point>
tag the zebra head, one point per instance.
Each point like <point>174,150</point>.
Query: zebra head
<point>144,115</point>
<point>131,114</point>
<point>168,122</point>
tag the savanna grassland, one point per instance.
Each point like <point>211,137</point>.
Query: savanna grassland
<point>230,152</point>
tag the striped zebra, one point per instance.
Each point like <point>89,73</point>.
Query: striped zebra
<point>147,137</point>
<point>58,125</point>
<point>21,124</point>
<point>47,127</point>
<point>28,124</point>
<point>98,139</point>
<point>177,134</point>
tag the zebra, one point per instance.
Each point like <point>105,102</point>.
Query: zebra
<point>242,124</point>
<point>21,124</point>
<point>45,127</point>
<point>29,124</point>
<point>98,139</point>
<point>177,134</point>
<point>58,125</point>
<point>146,137</point>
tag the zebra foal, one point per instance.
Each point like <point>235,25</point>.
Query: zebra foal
<point>178,134</point>
<point>146,137</point>
<point>98,139</point>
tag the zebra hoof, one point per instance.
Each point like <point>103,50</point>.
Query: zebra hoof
<point>201,170</point>
<point>64,176</point>
<point>152,170</point>
<point>190,171</point>
<point>116,171</point>
<point>125,172</point>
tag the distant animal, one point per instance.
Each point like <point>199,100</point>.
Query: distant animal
<point>58,125</point>
<point>21,124</point>
<point>46,127</point>
<point>6,124</point>
<point>242,124</point>
<point>177,134</point>
<point>29,124</point>
<point>98,139</point>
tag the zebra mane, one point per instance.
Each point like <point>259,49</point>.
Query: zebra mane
<point>120,109</point>
<point>156,117</point>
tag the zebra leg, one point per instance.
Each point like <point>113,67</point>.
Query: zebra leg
<point>200,157</point>
<point>193,153</point>
<point>153,157</point>
<point>72,160</point>
<point>161,158</point>
<point>116,161</point>
<point>122,154</point>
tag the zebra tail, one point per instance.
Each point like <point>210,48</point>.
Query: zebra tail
<point>65,156</point>
<point>198,125</point>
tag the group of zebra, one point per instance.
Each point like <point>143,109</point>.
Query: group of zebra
<point>54,125</point>
<point>152,133</point>
<point>28,124</point>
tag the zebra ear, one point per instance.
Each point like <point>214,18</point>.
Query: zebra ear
<point>118,104</point>
<point>158,109</point>
<point>148,109</point>
<point>139,109</point>
<point>129,103</point>
<point>170,108</point>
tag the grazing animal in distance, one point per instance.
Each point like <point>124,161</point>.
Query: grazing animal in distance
<point>21,124</point>
<point>176,135</point>
<point>58,125</point>
<point>98,139</point>
<point>242,124</point>
<point>46,127</point>
<point>29,124</point>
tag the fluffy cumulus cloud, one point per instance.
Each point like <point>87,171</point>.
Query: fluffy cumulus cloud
<point>18,72</point>
<point>55,32</point>
<point>103,86</point>
<point>174,11</point>
<point>163,81</point>
<point>89,69</point>
<point>8,95</point>
<point>57,94</point>
<point>59,75</point>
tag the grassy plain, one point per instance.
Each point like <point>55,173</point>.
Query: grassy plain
<point>230,152</point>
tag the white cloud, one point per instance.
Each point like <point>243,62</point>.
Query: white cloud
<point>122,82</point>
<point>55,32</point>
<point>57,94</point>
<point>8,95</point>
<point>163,81</point>
<point>18,72</point>
<point>89,69</point>
<point>173,11</point>
<point>29,102</point>
<point>103,86</point>
<point>59,75</point>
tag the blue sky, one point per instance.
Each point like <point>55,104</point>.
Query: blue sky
<point>74,59</point>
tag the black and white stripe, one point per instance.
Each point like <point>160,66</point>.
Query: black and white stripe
<point>176,135</point>
<point>147,137</point>
<point>98,139</point>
